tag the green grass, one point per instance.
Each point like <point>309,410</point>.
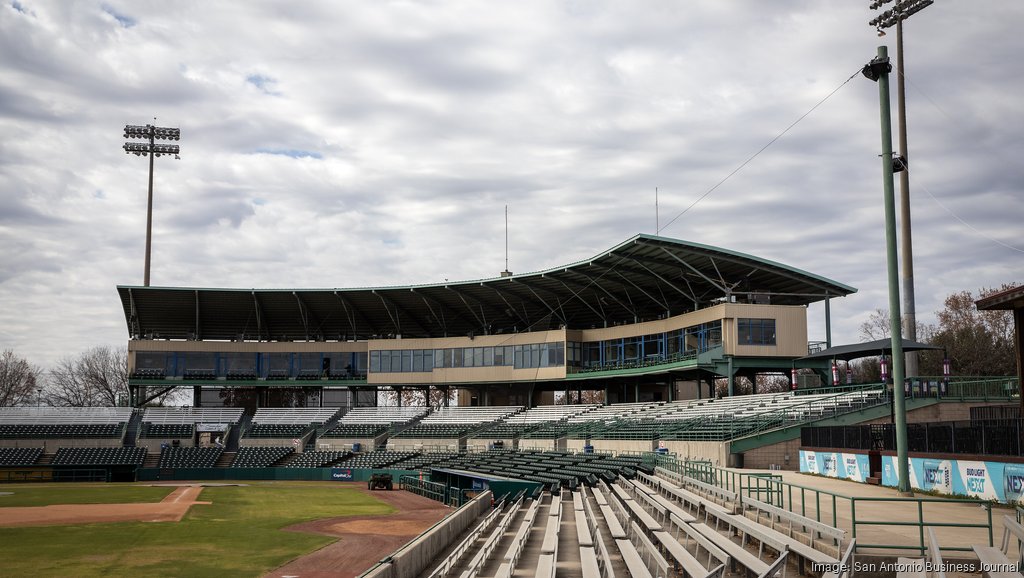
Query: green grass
<point>66,493</point>
<point>238,535</point>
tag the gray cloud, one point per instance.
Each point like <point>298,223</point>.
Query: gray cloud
<point>329,144</point>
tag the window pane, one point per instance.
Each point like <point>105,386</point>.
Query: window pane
<point>374,361</point>
<point>457,357</point>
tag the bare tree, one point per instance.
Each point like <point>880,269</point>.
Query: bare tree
<point>18,380</point>
<point>978,342</point>
<point>98,377</point>
<point>413,397</point>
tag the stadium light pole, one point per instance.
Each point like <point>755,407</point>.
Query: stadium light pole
<point>895,16</point>
<point>878,70</point>
<point>148,147</point>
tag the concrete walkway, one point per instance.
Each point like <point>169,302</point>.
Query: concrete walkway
<point>870,506</point>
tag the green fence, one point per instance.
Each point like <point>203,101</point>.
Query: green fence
<point>425,488</point>
<point>24,475</point>
<point>824,506</point>
<point>290,474</point>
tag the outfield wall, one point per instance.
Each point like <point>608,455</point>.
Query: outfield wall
<point>304,474</point>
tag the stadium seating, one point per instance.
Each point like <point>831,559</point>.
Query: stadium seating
<point>192,415</point>
<point>383,415</point>
<point>260,456</point>
<point>188,457</point>
<point>166,430</point>
<point>63,422</point>
<point>19,456</point>
<point>99,457</point>
<point>355,430</point>
<point>318,459</point>
<point>375,459</point>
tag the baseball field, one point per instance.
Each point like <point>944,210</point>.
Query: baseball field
<point>249,529</point>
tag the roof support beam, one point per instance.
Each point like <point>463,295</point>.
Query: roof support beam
<point>576,294</point>
<point>674,286</point>
<point>663,304</point>
<point>719,286</point>
<point>511,308</point>
<point>558,313</point>
<point>524,300</point>
<point>198,334</point>
<point>351,312</point>
<point>259,317</point>
<point>403,311</point>
<point>134,327</point>
<point>303,313</point>
<point>596,283</point>
<point>465,302</point>
<point>396,322</point>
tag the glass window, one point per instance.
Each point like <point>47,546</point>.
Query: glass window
<point>630,349</point>
<point>407,360</point>
<point>755,331</point>
<point>611,350</point>
<point>374,361</point>
<point>535,354</point>
<point>488,357</point>
<point>508,355</point>
<point>518,355</point>
<point>478,357</point>
<point>396,361</point>
<point>457,357</point>
<point>439,358</point>
<point>359,360</point>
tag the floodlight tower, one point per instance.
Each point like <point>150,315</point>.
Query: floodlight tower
<point>902,10</point>
<point>151,149</point>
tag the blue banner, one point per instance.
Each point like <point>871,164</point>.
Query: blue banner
<point>836,465</point>
<point>977,479</point>
<point>341,474</point>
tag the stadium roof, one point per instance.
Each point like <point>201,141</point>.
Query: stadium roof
<point>868,349</point>
<point>643,278</point>
<point>1012,298</point>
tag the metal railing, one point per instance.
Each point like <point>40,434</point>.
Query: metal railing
<point>824,506</point>
<point>433,490</point>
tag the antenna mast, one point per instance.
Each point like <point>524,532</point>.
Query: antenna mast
<point>506,272</point>
<point>657,221</point>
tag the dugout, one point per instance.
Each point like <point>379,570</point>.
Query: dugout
<point>473,483</point>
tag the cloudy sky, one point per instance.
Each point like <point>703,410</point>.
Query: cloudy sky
<point>348,144</point>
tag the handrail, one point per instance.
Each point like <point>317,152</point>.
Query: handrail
<point>799,499</point>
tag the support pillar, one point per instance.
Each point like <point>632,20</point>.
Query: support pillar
<point>732,378</point>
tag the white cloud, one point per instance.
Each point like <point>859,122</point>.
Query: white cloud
<point>360,144</point>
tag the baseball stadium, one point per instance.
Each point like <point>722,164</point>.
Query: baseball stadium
<point>654,410</point>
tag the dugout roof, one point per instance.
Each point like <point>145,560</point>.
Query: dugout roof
<point>643,278</point>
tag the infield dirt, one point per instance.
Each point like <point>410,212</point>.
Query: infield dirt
<point>363,540</point>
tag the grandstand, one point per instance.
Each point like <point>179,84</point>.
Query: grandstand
<point>290,384</point>
<point>672,318</point>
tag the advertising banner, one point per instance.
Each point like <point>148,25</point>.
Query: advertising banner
<point>836,465</point>
<point>977,479</point>
<point>341,474</point>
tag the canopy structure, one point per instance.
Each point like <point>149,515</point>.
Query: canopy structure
<point>859,350</point>
<point>646,277</point>
<point>1010,300</point>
